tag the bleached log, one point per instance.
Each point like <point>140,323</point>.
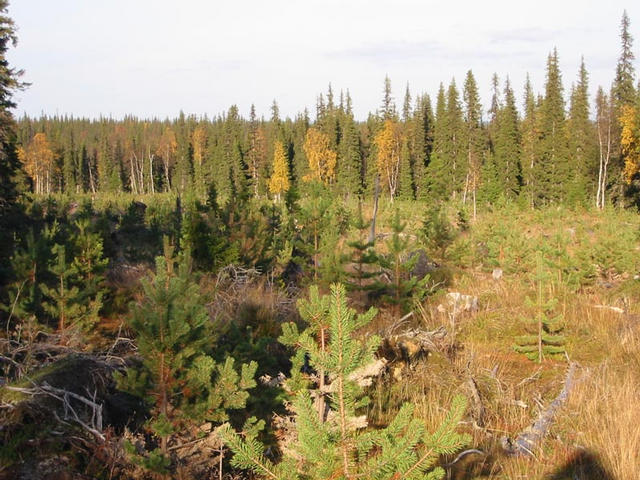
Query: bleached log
<point>528,440</point>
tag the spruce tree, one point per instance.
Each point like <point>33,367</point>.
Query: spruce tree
<point>404,288</point>
<point>581,139</point>
<point>329,443</point>
<point>623,85</point>
<point>474,138</point>
<point>420,143</point>
<point>438,172</point>
<point>530,135</point>
<point>551,168</point>
<point>350,159</point>
<point>11,216</point>
<point>62,299</point>
<point>545,338</point>
<point>362,259</point>
<point>178,376</point>
<point>388,109</point>
<point>507,153</point>
<point>405,176</point>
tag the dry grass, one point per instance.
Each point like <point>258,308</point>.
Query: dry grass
<point>596,435</point>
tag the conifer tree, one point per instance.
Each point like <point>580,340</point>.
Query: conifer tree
<point>61,299</point>
<point>421,142</point>
<point>507,153</point>
<point>455,152</point>
<point>10,212</point>
<point>406,106</point>
<point>473,138</point>
<point>349,176</point>
<point>388,109</point>
<point>551,169</point>
<point>438,171</point>
<point>257,154</point>
<point>623,90</point>
<point>546,339</point>
<point>405,176</point>
<point>622,94</point>
<point>404,288</point>
<point>330,445</point>
<point>530,135</point>
<point>362,257</point>
<point>314,220</point>
<point>581,135</point>
<point>178,377</point>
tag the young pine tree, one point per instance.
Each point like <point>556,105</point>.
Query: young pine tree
<point>178,378</point>
<point>545,338</point>
<point>328,444</point>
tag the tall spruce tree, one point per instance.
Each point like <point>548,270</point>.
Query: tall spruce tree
<point>623,85</point>
<point>507,151</point>
<point>581,136</point>
<point>350,159</point>
<point>10,212</point>
<point>438,172</point>
<point>474,139</point>
<point>551,168</point>
<point>388,108</point>
<point>530,134</point>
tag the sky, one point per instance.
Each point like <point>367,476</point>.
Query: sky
<point>154,58</point>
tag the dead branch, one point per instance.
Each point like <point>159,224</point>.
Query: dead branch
<point>528,440</point>
<point>65,396</point>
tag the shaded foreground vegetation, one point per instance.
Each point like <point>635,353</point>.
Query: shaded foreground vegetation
<point>239,310</point>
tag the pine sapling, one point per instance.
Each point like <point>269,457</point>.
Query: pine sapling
<point>178,378</point>
<point>339,444</point>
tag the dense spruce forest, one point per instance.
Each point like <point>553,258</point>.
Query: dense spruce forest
<point>445,290</point>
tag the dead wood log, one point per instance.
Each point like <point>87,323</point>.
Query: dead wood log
<point>529,439</point>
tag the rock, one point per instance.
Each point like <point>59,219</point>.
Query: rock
<point>459,302</point>
<point>423,266</point>
<point>497,273</point>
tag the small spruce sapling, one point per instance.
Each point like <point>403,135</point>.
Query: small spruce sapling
<point>333,445</point>
<point>545,339</point>
<point>404,287</point>
<point>437,232</point>
<point>178,377</point>
<point>362,258</point>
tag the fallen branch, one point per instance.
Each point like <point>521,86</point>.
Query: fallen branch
<point>64,396</point>
<point>528,440</point>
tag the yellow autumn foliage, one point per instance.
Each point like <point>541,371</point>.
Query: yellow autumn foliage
<point>388,144</point>
<point>279,181</point>
<point>322,160</point>
<point>38,159</point>
<point>630,142</point>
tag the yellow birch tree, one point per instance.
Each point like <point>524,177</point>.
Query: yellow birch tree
<point>630,142</point>
<point>388,144</point>
<point>279,181</point>
<point>38,160</point>
<point>322,160</point>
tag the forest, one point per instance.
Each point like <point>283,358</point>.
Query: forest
<point>444,290</point>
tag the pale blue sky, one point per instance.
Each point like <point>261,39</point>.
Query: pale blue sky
<point>156,57</point>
